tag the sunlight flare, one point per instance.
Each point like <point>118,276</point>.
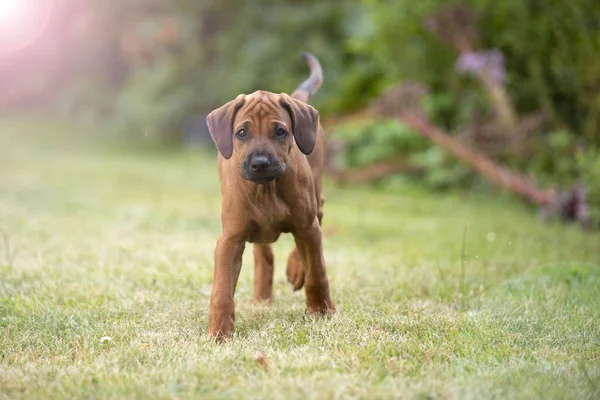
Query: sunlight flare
<point>9,9</point>
<point>22,22</point>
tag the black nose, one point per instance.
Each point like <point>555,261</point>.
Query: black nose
<point>259,163</point>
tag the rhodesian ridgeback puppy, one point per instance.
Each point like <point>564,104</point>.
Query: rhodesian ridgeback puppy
<point>271,158</point>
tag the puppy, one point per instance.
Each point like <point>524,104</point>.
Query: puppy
<point>271,158</point>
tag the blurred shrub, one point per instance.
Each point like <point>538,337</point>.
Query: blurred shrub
<point>204,53</point>
<point>589,169</point>
<point>145,66</point>
<point>551,51</point>
<point>223,48</point>
<point>554,162</point>
<point>372,141</point>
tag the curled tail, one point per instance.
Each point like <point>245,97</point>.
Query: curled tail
<point>314,81</point>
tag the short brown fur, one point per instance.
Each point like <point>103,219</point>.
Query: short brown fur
<point>258,213</point>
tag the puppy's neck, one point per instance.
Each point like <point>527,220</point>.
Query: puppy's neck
<point>265,191</point>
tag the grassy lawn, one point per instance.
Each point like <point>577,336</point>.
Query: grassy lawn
<point>439,296</point>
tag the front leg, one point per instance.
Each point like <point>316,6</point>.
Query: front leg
<point>316,284</point>
<point>228,262</point>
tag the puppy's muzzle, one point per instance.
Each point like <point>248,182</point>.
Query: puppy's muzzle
<point>261,168</point>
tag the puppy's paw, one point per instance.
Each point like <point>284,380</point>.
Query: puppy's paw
<point>295,270</point>
<point>263,299</point>
<point>218,337</point>
<point>325,308</point>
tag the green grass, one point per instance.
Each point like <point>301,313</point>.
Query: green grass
<point>98,242</point>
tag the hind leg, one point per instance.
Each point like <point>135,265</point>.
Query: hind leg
<point>263,272</point>
<point>295,268</point>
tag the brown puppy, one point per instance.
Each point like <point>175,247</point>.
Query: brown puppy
<point>271,157</point>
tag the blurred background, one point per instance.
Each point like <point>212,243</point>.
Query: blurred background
<point>516,82</point>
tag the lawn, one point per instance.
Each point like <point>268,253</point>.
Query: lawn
<point>106,269</point>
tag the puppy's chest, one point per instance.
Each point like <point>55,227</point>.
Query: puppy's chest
<point>269,216</point>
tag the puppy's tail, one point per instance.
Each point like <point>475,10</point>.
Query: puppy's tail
<point>314,81</point>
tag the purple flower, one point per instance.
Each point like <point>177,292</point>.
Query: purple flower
<point>491,61</point>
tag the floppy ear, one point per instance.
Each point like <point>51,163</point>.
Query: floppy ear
<point>220,125</point>
<point>305,122</point>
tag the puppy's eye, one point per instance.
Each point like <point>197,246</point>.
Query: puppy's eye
<point>242,133</point>
<point>280,132</point>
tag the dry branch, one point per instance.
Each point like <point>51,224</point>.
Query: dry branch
<point>480,163</point>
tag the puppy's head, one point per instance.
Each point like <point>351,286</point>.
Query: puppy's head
<point>257,132</point>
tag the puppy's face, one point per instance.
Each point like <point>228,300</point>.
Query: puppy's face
<point>257,132</point>
<point>262,139</point>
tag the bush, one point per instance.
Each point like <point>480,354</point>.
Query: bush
<point>550,50</point>
<point>154,64</point>
<point>180,82</point>
<point>589,167</point>
<point>378,140</point>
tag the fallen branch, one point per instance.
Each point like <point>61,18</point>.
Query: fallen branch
<point>567,205</point>
<point>477,161</point>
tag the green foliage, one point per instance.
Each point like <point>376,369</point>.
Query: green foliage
<point>372,141</point>
<point>153,105</point>
<point>589,165</point>
<point>400,45</point>
<point>551,52</point>
<point>377,140</point>
<point>233,47</point>
<point>441,170</point>
<point>554,162</point>
<point>144,81</point>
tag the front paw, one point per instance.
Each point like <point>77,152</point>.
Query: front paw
<point>324,308</point>
<point>318,299</point>
<point>221,320</point>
